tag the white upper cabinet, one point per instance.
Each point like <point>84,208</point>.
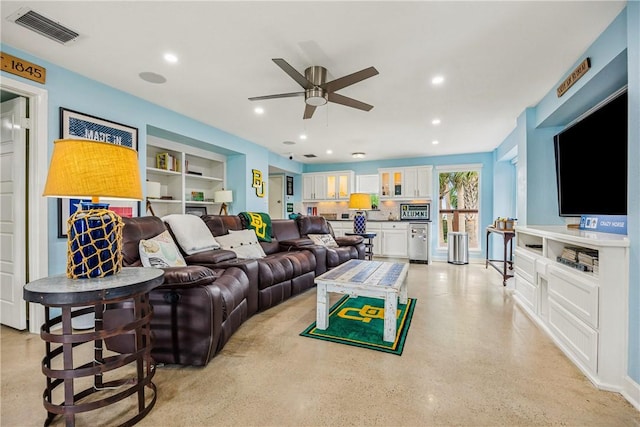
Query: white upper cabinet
<point>406,183</point>
<point>327,186</point>
<point>418,182</point>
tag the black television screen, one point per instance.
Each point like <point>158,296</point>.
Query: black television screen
<point>591,162</point>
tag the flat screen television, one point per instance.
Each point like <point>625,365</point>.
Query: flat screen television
<point>591,162</point>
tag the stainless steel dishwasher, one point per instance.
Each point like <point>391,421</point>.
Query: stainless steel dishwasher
<point>419,237</point>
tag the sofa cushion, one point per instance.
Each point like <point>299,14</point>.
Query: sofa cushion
<point>160,251</point>
<point>191,232</point>
<point>243,242</point>
<point>323,240</point>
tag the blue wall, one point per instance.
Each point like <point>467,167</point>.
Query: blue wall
<point>615,62</point>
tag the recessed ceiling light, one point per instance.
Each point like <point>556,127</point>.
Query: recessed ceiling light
<point>303,136</point>
<point>357,155</point>
<point>170,57</point>
<point>289,142</point>
<point>329,151</point>
<point>435,142</point>
<point>437,80</point>
<point>258,110</point>
<point>435,121</point>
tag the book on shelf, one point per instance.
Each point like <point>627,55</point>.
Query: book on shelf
<point>588,257</point>
<point>570,253</point>
<point>167,162</point>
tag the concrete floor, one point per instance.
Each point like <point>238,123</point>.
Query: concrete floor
<point>472,358</point>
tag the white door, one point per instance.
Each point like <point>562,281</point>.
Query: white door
<point>276,197</point>
<point>13,215</point>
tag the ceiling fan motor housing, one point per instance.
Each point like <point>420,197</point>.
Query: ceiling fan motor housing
<point>316,96</point>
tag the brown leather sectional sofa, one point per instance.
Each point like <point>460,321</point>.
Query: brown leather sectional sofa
<point>201,305</point>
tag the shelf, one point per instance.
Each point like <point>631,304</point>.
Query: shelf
<point>167,201</point>
<point>198,202</point>
<point>203,178</point>
<point>163,171</point>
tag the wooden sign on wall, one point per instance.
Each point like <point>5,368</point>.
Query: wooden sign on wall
<point>20,67</point>
<point>580,71</point>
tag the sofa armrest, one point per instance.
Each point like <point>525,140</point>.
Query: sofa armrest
<point>349,240</point>
<point>190,275</point>
<point>295,243</point>
<point>211,257</point>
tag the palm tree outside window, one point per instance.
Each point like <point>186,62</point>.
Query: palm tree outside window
<point>458,205</point>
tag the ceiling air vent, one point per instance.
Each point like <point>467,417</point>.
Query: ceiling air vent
<point>310,156</point>
<point>43,25</point>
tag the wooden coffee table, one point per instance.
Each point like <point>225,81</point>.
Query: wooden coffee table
<point>375,279</point>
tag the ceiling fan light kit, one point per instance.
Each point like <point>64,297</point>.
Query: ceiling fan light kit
<point>317,91</point>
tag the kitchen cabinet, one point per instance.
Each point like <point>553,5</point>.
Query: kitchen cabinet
<point>314,187</point>
<point>325,186</point>
<point>418,182</point>
<point>394,239</point>
<point>339,185</point>
<point>341,227</point>
<point>391,182</point>
<point>406,183</point>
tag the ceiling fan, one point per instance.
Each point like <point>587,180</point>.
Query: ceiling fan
<point>317,91</point>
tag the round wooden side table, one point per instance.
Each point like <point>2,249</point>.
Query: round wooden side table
<point>108,386</point>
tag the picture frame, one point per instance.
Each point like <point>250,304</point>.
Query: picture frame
<point>196,210</point>
<point>74,124</point>
<point>289,186</point>
<point>67,207</point>
<point>77,125</point>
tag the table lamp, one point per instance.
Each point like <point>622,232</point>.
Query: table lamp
<point>89,169</point>
<point>359,202</point>
<point>224,197</point>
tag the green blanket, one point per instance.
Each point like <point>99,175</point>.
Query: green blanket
<point>260,222</point>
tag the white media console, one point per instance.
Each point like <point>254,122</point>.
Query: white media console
<point>584,312</point>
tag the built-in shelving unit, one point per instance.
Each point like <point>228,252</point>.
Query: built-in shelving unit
<point>193,172</point>
<point>584,312</point>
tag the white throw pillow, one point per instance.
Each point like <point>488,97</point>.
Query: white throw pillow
<point>160,251</point>
<point>323,240</point>
<point>191,232</point>
<point>243,242</point>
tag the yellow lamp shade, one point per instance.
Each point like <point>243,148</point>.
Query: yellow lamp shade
<point>360,201</point>
<point>84,168</point>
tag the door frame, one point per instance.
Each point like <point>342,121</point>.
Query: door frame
<point>38,255</point>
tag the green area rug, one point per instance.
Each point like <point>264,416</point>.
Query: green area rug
<point>360,322</point>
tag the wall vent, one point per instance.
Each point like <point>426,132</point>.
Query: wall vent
<point>43,26</point>
<point>310,156</point>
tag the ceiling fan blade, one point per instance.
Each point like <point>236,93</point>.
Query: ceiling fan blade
<point>308,111</point>
<point>280,95</point>
<point>293,73</point>
<point>345,81</point>
<point>349,102</point>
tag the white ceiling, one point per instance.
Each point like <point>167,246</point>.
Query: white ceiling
<point>498,58</point>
